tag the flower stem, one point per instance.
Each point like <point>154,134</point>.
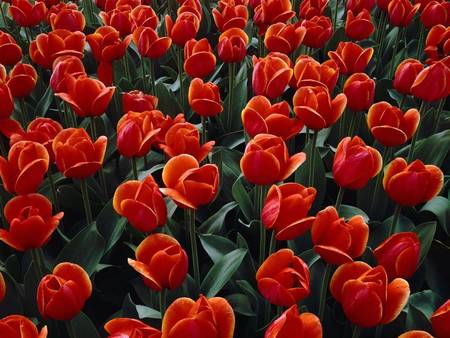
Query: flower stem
<point>397,212</point>
<point>394,53</point>
<point>323,291</point>
<point>38,263</point>
<point>312,159</point>
<point>273,243</point>
<point>259,189</point>
<point>377,183</point>
<point>336,8</point>
<point>436,116</point>
<point>162,301</point>
<point>144,82</point>
<point>420,42</point>
<point>23,113</point>
<point>86,202</point>
<point>378,331</point>
<point>231,71</point>
<point>204,134</point>
<point>414,139</point>
<point>101,172</point>
<point>126,67</point>
<point>70,329</point>
<point>134,166</point>
<point>339,197</point>
<point>152,76</point>
<point>189,218</point>
<point>356,331</point>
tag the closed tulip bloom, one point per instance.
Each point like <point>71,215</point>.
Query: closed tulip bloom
<point>337,241</point>
<point>283,278</point>
<point>432,83</point>
<point>293,324</point>
<point>183,29</point>
<point>415,334</point>
<point>87,96</point>
<point>401,12</point>
<point>390,126</point>
<point>269,12</point>
<point>315,108</point>
<point>27,214</point>
<point>285,210</point>
<point>355,163</point>
<point>309,72</point>
<point>161,261</point>
<point>76,156</point>
<point>318,31</point>
<point>144,16</point>
<point>312,8</point>
<point>358,6</point>
<point>366,296</point>
<point>360,26</point>
<point>10,51</point>
<point>62,71</point>
<point>149,44</point>
<point>437,44</point>
<point>232,46</point>
<point>199,60</point>
<point>193,6</point>
<point>22,80</point>
<point>188,184</point>
<point>6,101</point>
<point>413,184</point>
<point>406,74</point>
<point>271,76</point>
<point>399,254</point>
<point>27,14</point>
<point>141,203</point>
<point>204,318</point>
<point>284,38</point>
<point>46,48</point>
<point>25,168</point>
<point>119,18</point>
<point>62,294</point>
<point>184,138</point>
<point>435,13</point>
<point>106,44</point>
<point>204,98</point>
<point>70,19</point>
<point>440,320</point>
<point>351,57</point>
<point>130,328</point>
<point>230,17</point>
<point>17,326</point>
<point>360,91</point>
<point>266,160</point>
<point>261,117</point>
<point>138,101</point>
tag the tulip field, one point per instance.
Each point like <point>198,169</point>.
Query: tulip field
<point>224,168</point>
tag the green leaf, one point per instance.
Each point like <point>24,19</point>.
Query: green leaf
<point>425,232</point>
<point>241,304</point>
<point>44,103</point>
<point>214,223</point>
<point>110,225</point>
<point>241,196</point>
<point>440,207</point>
<point>216,246</point>
<point>437,277</point>
<point>348,211</point>
<point>421,307</point>
<point>84,327</point>
<point>221,272</point>
<point>147,312</point>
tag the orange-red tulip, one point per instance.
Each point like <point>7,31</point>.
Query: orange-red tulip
<point>311,8</point>
<point>437,45</point>
<point>319,30</point>
<point>204,318</point>
<point>401,12</point>
<point>230,17</point>
<point>119,18</point>
<point>351,57</point>
<point>184,138</point>
<point>164,123</point>
<point>130,328</point>
<point>432,83</point>
<point>283,278</point>
<point>415,334</point>
<point>360,91</point>
<point>261,117</point>
<point>413,184</point>
<point>161,261</point>
<point>25,168</point>
<point>271,76</point>
<point>138,101</point>
<point>232,46</point>
<point>314,107</point>
<point>188,184</point>
<point>57,7</point>
<point>17,326</point>
<point>144,16</point>
<point>106,44</point>
<point>199,60</point>
<point>355,163</point>
<point>76,155</point>
<point>6,101</point>
<point>440,320</point>
<point>284,38</point>
<point>70,19</point>
<point>65,67</point>
<point>26,13</point>
<point>293,324</point>
<point>87,96</point>
<point>10,51</point>
<point>27,214</point>
<point>272,11</point>
<point>357,6</point>
<point>389,126</point>
<point>406,74</point>
<point>2,289</point>
<point>141,203</point>
<point>22,80</point>
<point>309,72</point>
<point>337,241</point>
<point>135,133</point>
<point>360,26</point>
<point>285,210</point>
<point>266,160</point>
<point>149,44</point>
<point>193,6</point>
<point>435,13</point>
<point>62,294</point>
<point>183,29</point>
<point>204,98</point>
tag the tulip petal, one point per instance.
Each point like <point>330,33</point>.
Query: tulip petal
<point>397,297</point>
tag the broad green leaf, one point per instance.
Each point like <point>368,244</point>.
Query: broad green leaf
<point>110,225</point>
<point>241,196</point>
<point>44,103</point>
<point>216,246</point>
<point>348,211</point>
<point>241,304</point>
<point>84,327</point>
<point>440,207</point>
<point>425,232</point>
<point>214,224</point>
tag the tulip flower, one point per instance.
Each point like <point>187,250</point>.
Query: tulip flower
<point>230,17</point>
<point>204,98</point>
<point>360,92</point>
<point>401,12</point>
<point>272,11</point>
<point>261,117</point>
<point>337,241</point>
<point>266,160</point>
<point>399,254</point>
<point>144,16</point>
<point>62,294</point>
<point>416,334</point>
<point>232,46</point>
<point>437,43</point>
<point>406,74</point>
<point>188,184</point>
<point>314,107</point>
<point>135,134</point>
<point>285,210</point>
<point>199,60</point>
<point>284,38</point>
<point>355,163</point>
<point>291,322</point>
<point>119,18</point>
<point>10,51</point>
<point>309,72</point>
<point>319,30</point>
<point>435,13</point>
<point>183,29</point>
<point>413,184</point>
<point>164,123</point>
<point>76,156</point>
<point>66,67</point>
<point>22,80</point>
<point>25,214</point>
<point>360,26</point>
<point>149,44</point>
<point>208,316</point>
<point>440,320</point>
<point>129,328</point>
<point>389,126</point>
<point>70,19</point>
<point>283,278</point>
<point>358,6</point>
<point>271,75</point>
<point>26,13</point>
<point>24,170</point>
<point>432,83</point>
<point>2,287</point>
<point>109,5</point>
<point>311,8</point>
<point>21,327</point>
<point>6,102</point>
<point>366,296</point>
<point>139,102</point>
<point>351,58</point>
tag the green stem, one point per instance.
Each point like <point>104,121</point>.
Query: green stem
<point>231,71</point>
<point>377,183</point>
<point>260,45</point>
<point>93,129</point>
<point>339,198</point>
<point>162,301</point>
<point>323,291</point>
<point>380,41</point>
<point>3,15</point>
<point>180,73</point>
<point>336,8</point>
<point>189,218</point>
<point>414,139</point>
<point>420,42</point>
<point>126,67</point>
<point>101,172</point>
<point>312,159</point>
<point>70,329</point>
<point>153,76</point>
<point>436,116</point>
<point>23,113</point>
<point>53,191</point>
<point>394,53</point>
<point>86,202</point>
<point>144,82</point>
<point>354,117</point>
<point>356,332</point>
<point>273,243</point>
<point>134,166</point>
<point>38,263</point>
<point>204,134</point>
<point>397,212</point>
<point>259,189</point>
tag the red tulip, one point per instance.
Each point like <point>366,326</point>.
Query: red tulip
<point>204,98</point>
<point>119,18</point>
<point>144,16</point>
<point>440,320</point>
<point>272,11</point>
<point>230,17</point>
<point>311,8</point>
<point>149,44</point>
<point>309,72</point>
<point>10,51</point>
<point>63,70</point>
<point>358,6</point>
<point>70,19</point>
<point>437,44</point>
<point>359,26</point>
<point>232,46</point>
<point>351,58</point>
<point>22,80</point>
<point>401,12</point>
<point>432,83</point>
<point>26,13</point>
<point>130,328</point>
<point>360,91</point>
<point>383,5</point>
<point>318,31</point>
<point>435,13</point>
<point>106,44</point>
<point>6,102</point>
<point>183,29</point>
<point>199,60</point>
<point>406,74</point>
<point>271,75</point>
<point>137,101</point>
<point>284,38</point>
<point>164,123</point>
<point>17,326</point>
